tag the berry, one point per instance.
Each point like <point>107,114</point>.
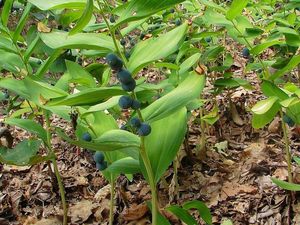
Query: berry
<point>125,102</point>
<point>142,36</point>
<point>144,129</point>
<point>246,53</point>
<point>135,122</point>
<point>136,105</point>
<point>127,55</point>
<point>130,86</point>
<point>99,157</point>
<point>101,166</point>
<point>124,76</point>
<point>112,19</point>
<point>178,22</point>
<point>114,61</point>
<point>208,39</point>
<point>172,10</point>
<point>123,42</point>
<point>288,120</point>
<point>87,137</point>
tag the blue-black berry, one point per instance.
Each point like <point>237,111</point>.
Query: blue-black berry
<point>87,137</point>
<point>125,102</point>
<point>124,76</point>
<point>112,19</point>
<point>101,166</point>
<point>177,22</point>
<point>129,86</point>
<point>144,129</point>
<point>135,122</point>
<point>246,52</point>
<point>123,42</point>
<point>136,105</point>
<point>172,10</point>
<point>99,157</point>
<point>114,61</point>
<point>288,120</point>
<point>208,39</point>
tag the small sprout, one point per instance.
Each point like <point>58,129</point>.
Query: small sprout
<point>87,137</point>
<point>246,52</point>
<point>136,105</point>
<point>99,157</point>
<point>101,166</point>
<point>114,61</point>
<point>125,102</point>
<point>129,86</point>
<point>135,122</point>
<point>124,76</point>
<point>144,129</point>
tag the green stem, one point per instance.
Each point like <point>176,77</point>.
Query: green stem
<point>56,171</point>
<point>287,149</point>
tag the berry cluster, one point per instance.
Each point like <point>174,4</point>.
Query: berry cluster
<point>143,129</point>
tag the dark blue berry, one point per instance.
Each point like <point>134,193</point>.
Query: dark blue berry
<point>144,129</point>
<point>208,39</point>
<point>114,61</point>
<point>172,10</point>
<point>112,19</point>
<point>129,86</point>
<point>288,120</point>
<point>136,105</point>
<point>101,166</point>
<point>125,102</point>
<point>124,76</point>
<point>135,122</point>
<point>99,157</point>
<point>87,137</point>
<point>123,42</point>
<point>127,55</point>
<point>246,52</point>
<point>178,22</point>
<point>142,36</point>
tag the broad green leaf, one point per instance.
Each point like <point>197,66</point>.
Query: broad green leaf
<point>126,165</point>
<point>189,63</point>
<point>146,52</point>
<point>269,89</point>
<point>5,12</point>
<point>11,62</point>
<point>286,185</point>
<point>61,40</point>
<point>84,19</point>
<point>182,214</point>
<point>103,106</point>
<point>112,140</point>
<point>266,44</point>
<point>211,53</point>
<point>202,209</point>
<point>188,90</point>
<point>30,126</point>
<point>162,145</point>
<point>291,65</point>
<point>136,9</point>
<point>236,8</point>
<point>211,17</point>
<point>89,96</point>
<point>59,4</point>
<point>79,75</point>
<point>22,155</point>
<point>264,106</point>
<point>292,36</point>
<point>7,45</point>
<point>213,5</point>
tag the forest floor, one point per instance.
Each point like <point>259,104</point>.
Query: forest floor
<point>233,180</point>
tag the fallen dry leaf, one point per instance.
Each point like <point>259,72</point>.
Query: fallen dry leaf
<point>135,212</point>
<point>80,212</point>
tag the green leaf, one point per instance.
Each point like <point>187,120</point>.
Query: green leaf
<point>202,209</point>
<point>266,44</point>
<point>89,96</point>
<point>59,4</point>
<point>236,8</point>
<point>136,9</point>
<point>5,12</point>
<point>30,126</point>
<point>22,22</point>
<point>182,214</point>
<point>11,62</point>
<point>291,65</point>
<point>162,145</point>
<point>84,19</point>
<point>189,63</point>
<point>61,40</point>
<point>264,106</point>
<point>112,140</point>
<point>286,185</point>
<point>126,165</point>
<point>269,89</point>
<point>22,155</point>
<point>297,160</point>
<point>79,75</point>
<point>189,89</point>
<point>103,106</point>
<point>146,52</point>
<point>211,53</point>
